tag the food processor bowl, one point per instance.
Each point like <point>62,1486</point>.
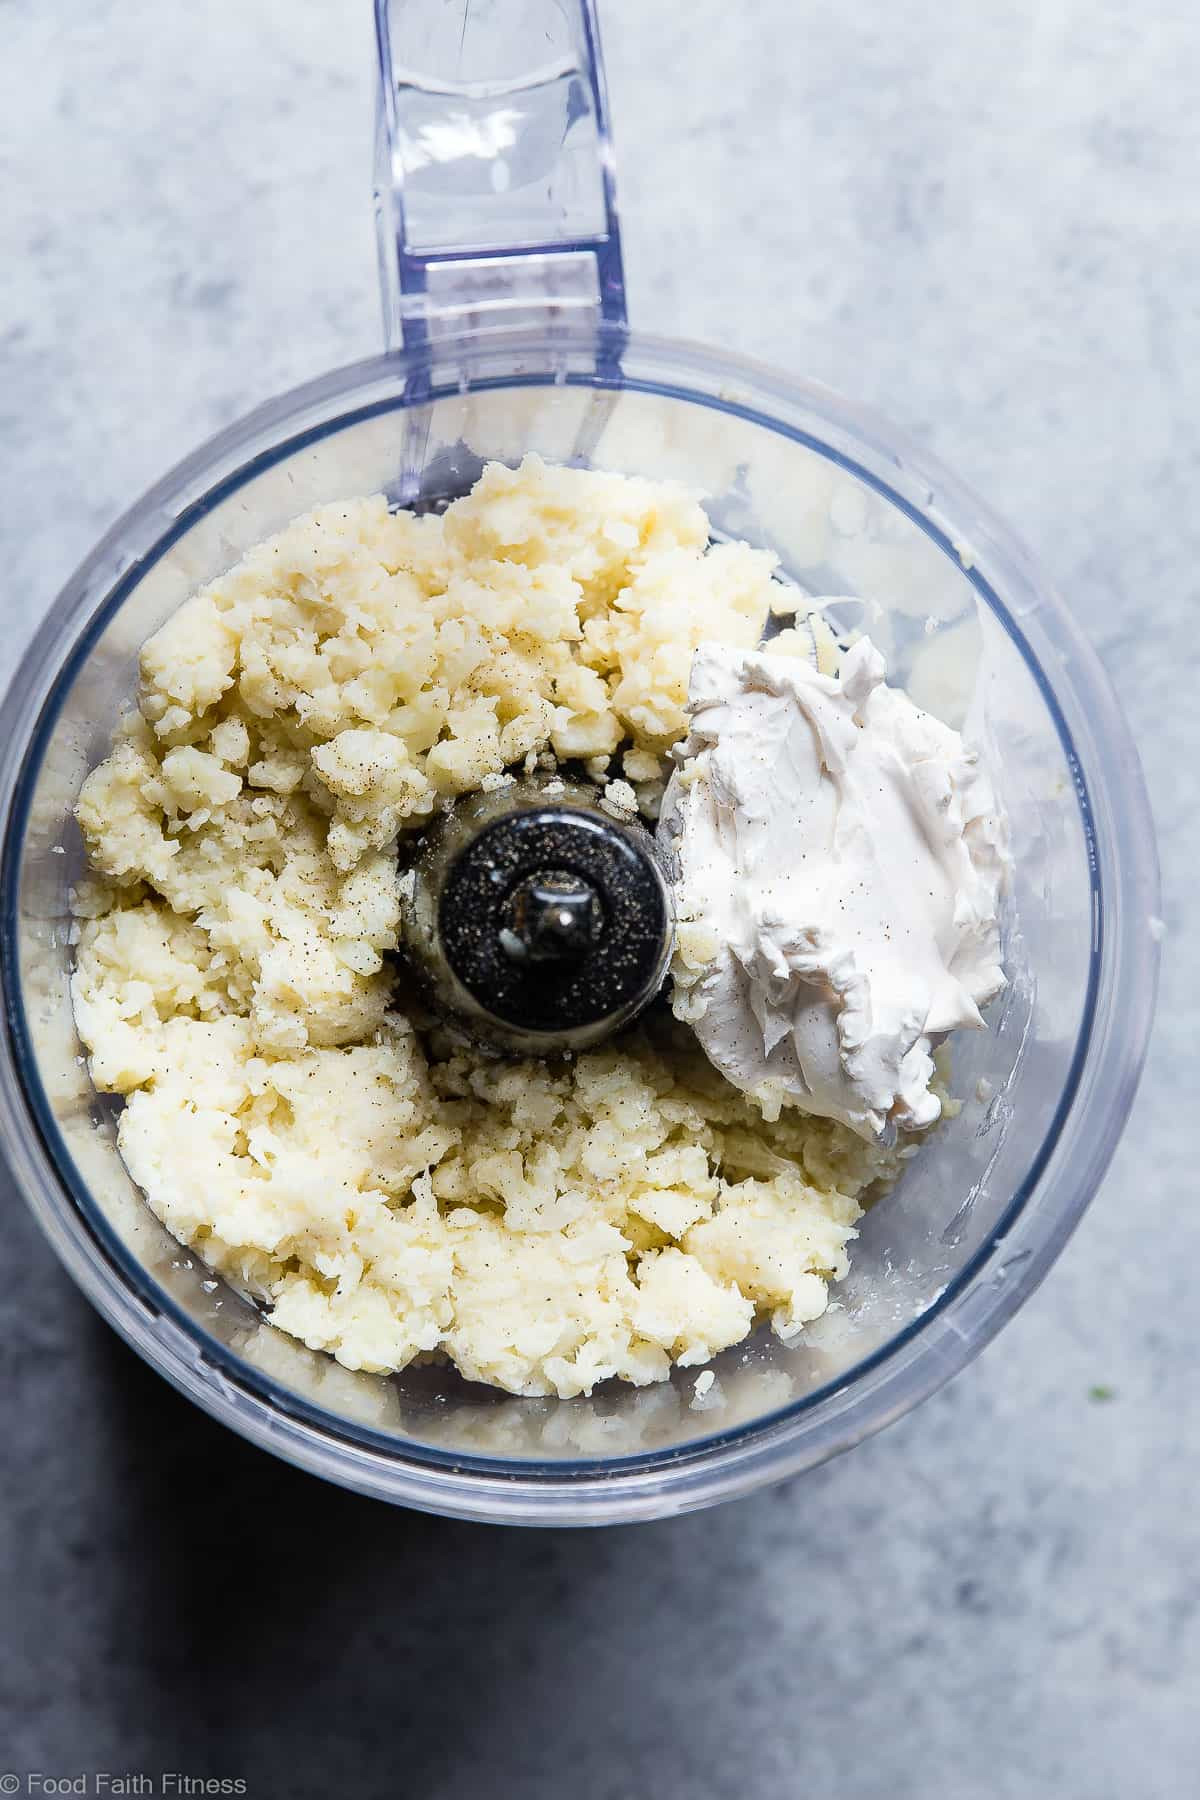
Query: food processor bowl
<point>492,366</point>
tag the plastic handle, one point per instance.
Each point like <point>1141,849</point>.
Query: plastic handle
<point>495,197</point>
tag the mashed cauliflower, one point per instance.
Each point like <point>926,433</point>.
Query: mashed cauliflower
<point>386,1191</point>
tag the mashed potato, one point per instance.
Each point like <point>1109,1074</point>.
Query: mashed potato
<point>385,1190</point>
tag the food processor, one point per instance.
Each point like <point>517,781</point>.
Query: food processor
<point>506,332</point>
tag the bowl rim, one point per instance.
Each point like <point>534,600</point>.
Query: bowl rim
<point>1004,1270</point>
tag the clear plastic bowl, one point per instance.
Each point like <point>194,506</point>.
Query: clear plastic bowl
<point>968,627</point>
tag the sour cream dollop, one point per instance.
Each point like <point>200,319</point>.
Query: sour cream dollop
<point>841,857</point>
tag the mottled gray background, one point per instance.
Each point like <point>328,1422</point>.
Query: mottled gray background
<point>985,220</point>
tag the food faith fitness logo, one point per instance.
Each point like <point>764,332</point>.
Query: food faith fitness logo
<point>169,1784</point>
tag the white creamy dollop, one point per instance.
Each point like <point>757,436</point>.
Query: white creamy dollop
<point>841,858</point>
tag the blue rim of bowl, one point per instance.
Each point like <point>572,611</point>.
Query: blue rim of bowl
<point>225,1362</point>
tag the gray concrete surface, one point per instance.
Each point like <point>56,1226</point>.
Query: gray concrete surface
<point>984,220</point>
